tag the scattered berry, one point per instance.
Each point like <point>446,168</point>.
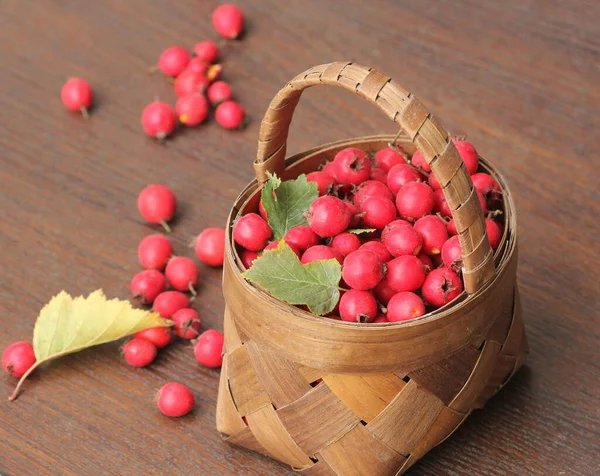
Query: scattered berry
<point>301,238</point>
<point>18,358</point>
<point>345,243</point>
<point>362,270</point>
<point>252,232</point>
<point>159,336</point>
<point>77,95</point>
<point>328,216</point>
<point>182,274</point>
<point>228,21</point>
<point>187,323</point>
<point>247,257</point>
<point>452,253</point>
<point>210,246</point>
<point>173,61</point>
<point>405,273</point>
<point>154,251</point>
<point>320,252</point>
<point>146,285</point>
<point>139,352</point>
<point>352,166</point>
<point>434,233</point>
<point>387,158</point>
<point>218,92</point>
<point>414,200</point>
<point>206,51</point>
<point>324,182</point>
<point>175,400</point>
<point>418,160</point>
<point>208,349</point>
<point>192,109</point>
<point>190,82</point>
<point>169,302</point>
<point>400,175</point>
<point>441,286</point>
<point>377,211</point>
<point>158,120</point>
<point>358,306</point>
<point>404,306</point>
<point>157,204</point>
<point>403,240</point>
<point>230,115</point>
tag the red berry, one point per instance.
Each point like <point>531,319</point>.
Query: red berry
<point>247,257</point>
<point>345,243</point>
<point>441,286</point>
<point>481,201</point>
<point>192,109</point>
<point>489,188</point>
<point>494,232</point>
<point>252,232</point>
<point>387,158</point>
<point>380,318</point>
<point>434,233</point>
<point>77,95</point>
<point>301,238</point>
<point>352,166</point>
<point>433,182</point>
<point>158,120</point>
<point>362,270</point>
<point>468,154</point>
<point>404,306</point>
<point>377,212</point>
<point>383,291</point>
<point>206,51</point>
<point>218,92</point>
<point>426,260</point>
<point>451,226</point>
<point>230,115</point>
<point>173,61</point>
<point>196,65</point>
<point>262,211</point>
<point>414,200</point>
<point>139,352</point>
<point>452,252</point>
<point>190,82</point>
<point>169,302</point>
<point>274,244</point>
<point>208,348</point>
<point>328,216</point>
<point>390,226</point>
<point>405,273</point>
<point>379,175</point>
<point>210,246</point>
<point>403,240</point>
<point>371,188</point>
<point>379,249</point>
<point>154,251</point>
<point>358,306</point>
<point>329,169</point>
<point>324,182</point>
<point>182,274</point>
<point>418,160</point>
<point>228,21</point>
<point>175,400</point>
<point>354,214</point>
<point>157,204</point>
<point>440,204</point>
<point>187,323</point>
<point>18,358</point>
<point>147,284</point>
<point>400,175</point>
<point>159,336</point>
<point>320,252</point>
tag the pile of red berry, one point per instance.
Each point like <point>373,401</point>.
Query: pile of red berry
<point>408,260</point>
<point>197,84</point>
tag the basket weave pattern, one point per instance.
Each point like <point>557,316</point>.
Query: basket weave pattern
<point>335,398</point>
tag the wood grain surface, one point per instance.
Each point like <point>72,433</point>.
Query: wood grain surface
<point>520,77</point>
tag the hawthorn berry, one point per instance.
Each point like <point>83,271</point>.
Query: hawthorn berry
<point>418,160</point>
<point>301,238</point>
<point>208,348</point>
<point>18,358</point>
<point>440,204</point>
<point>173,61</point>
<point>158,120</point>
<point>354,214</point>
<point>451,226</point>
<point>380,319</point>
<point>468,154</point>
<point>324,182</point>
<point>393,224</point>
<point>404,306</point>
<point>383,291</point>
<point>196,65</point>
<point>362,270</point>
<point>154,251</point>
<point>262,211</point>
<point>218,92</point>
<point>175,400</point>
<point>441,286</point>
<point>187,323</point>
<point>192,109</point>
<point>358,306</point>
<point>426,260</point>
<point>352,166</point>
<point>206,51</point>
<point>169,302</point>
<point>252,232</point>
<point>146,285</point>
<point>494,232</point>
<point>414,200</point>
<point>190,82</point>
<point>76,95</point>
<point>329,169</point>
<point>405,273</point>
<point>139,352</point>
<point>489,188</point>
<point>320,252</point>
<point>157,204</point>
<point>434,233</point>
<point>328,216</point>
<point>230,115</point>
<point>378,248</point>
<point>452,252</point>
<point>210,246</point>
<point>159,336</point>
<point>433,183</point>
<point>345,243</point>
<point>400,175</point>
<point>247,257</point>
<point>403,240</point>
<point>371,188</point>
<point>228,21</point>
<point>379,175</point>
<point>377,211</point>
<point>182,274</point>
<point>387,158</point>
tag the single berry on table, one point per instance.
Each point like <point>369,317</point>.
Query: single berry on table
<point>159,120</point>
<point>154,251</point>
<point>76,95</point>
<point>218,92</point>
<point>208,348</point>
<point>230,115</point>
<point>173,61</point>
<point>192,109</point>
<point>206,51</point>
<point>228,21</point>
<point>157,204</point>
<point>175,400</point>
<point>187,323</point>
<point>182,274</point>
<point>139,352</point>
<point>18,358</point>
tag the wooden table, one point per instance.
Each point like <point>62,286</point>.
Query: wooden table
<point>521,78</point>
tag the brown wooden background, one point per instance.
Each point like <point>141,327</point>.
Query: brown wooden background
<point>520,77</point>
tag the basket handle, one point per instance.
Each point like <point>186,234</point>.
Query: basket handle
<point>424,130</point>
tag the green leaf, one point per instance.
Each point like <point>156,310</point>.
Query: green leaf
<point>66,325</point>
<point>280,272</point>
<point>360,231</point>
<point>287,202</point>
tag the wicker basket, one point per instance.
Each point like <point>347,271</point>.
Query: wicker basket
<point>336,398</point>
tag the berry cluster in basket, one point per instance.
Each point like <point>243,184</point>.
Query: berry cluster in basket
<point>385,220</point>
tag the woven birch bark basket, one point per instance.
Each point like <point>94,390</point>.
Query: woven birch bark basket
<point>331,397</point>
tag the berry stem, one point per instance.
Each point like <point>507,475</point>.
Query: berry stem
<point>15,393</point>
<point>166,226</point>
<point>152,69</point>
<point>191,288</point>
<point>84,112</point>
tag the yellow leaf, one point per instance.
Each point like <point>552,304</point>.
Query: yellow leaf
<point>66,325</point>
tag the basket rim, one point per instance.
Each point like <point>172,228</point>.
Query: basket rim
<point>506,248</point>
